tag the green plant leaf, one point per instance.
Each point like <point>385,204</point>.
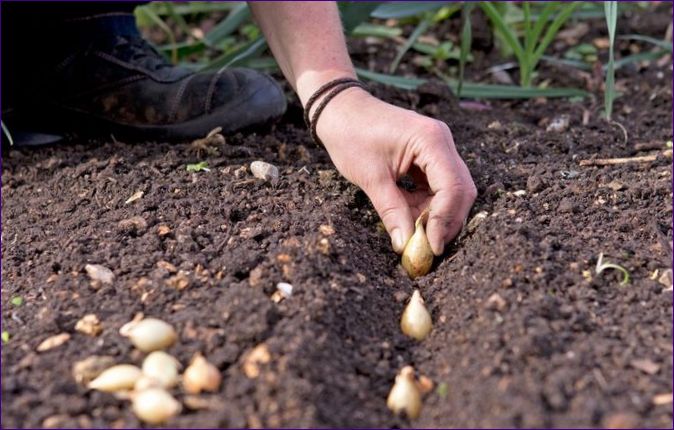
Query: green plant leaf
<point>473,90</point>
<point>611,10</point>
<point>421,28</point>
<point>354,13</point>
<point>246,52</point>
<point>5,336</point>
<point>394,81</point>
<point>147,14</point>
<point>500,25</point>
<point>397,10</point>
<point>198,167</point>
<point>442,390</point>
<point>16,301</point>
<point>197,7</point>
<point>374,30</point>
<point>552,30</point>
<point>228,25</point>
<point>6,132</point>
<point>171,11</point>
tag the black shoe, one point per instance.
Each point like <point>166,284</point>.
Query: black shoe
<point>122,85</point>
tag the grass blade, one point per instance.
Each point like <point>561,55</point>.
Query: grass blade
<point>244,53</point>
<point>611,10</point>
<point>421,29</point>
<point>466,42</point>
<point>473,90</point>
<point>354,13</point>
<point>397,10</point>
<point>7,133</point>
<point>146,13</point>
<point>500,25</point>
<point>227,26</point>
<point>392,80</point>
<point>550,33</point>
<point>374,30</point>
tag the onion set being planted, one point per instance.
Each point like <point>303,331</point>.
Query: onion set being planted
<point>416,320</point>
<point>417,256</point>
<point>405,396</point>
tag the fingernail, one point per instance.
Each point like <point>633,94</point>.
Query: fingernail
<point>397,240</point>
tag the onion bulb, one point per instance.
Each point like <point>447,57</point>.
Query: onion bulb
<point>116,378</point>
<point>161,367</point>
<point>405,396</point>
<point>416,320</point>
<point>417,256</point>
<point>200,376</point>
<point>154,405</point>
<point>149,334</point>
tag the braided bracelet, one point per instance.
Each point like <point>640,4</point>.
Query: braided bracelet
<point>335,87</point>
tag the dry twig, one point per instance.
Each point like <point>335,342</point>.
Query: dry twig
<point>627,160</point>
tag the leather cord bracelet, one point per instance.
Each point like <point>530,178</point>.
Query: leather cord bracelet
<point>332,88</point>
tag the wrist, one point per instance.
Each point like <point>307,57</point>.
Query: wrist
<point>309,82</point>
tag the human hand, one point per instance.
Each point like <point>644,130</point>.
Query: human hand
<point>373,144</point>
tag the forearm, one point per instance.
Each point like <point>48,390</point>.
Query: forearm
<point>307,41</point>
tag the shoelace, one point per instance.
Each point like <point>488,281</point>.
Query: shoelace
<point>139,52</point>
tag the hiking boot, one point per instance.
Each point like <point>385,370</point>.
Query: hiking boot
<point>120,84</point>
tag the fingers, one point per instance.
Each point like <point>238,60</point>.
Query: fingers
<point>451,185</point>
<point>394,211</point>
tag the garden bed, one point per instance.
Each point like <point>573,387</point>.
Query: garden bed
<point>525,332</point>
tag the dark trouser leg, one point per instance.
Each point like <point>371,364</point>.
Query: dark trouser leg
<point>84,68</point>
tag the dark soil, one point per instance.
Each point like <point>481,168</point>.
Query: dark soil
<point>560,346</point>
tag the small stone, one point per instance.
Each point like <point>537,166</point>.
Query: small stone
<point>163,230</point>
<point>135,196</point>
<point>662,399</point>
<point>255,277</point>
<point>89,325</point>
<point>325,177</point>
<point>666,278</point>
<point>645,365</point>
<point>85,371</point>
<point>616,185</point>
<point>476,221</point>
<point>265,171</point>
<point>326,230</point>
<point>55,421</point>
<point>285,289</point>
<point>240,172</point>
<point>284,258</point>
<point>277,297</point>
<point>179,281</point>
<point>535,184</point>
<point>519,193</point>
<point>567,206</point>
<point>620,420</point>
<point>99,273</point>
<point>53,342</point>
<point>559,124</point>
<point>496,303</point>
<point>495,125</point>
<point>258,355</point>
<point>323,246</point>
<point>171,268</point>
<point>133,225</point>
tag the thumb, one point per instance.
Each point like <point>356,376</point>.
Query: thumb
<point>391,205</point>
